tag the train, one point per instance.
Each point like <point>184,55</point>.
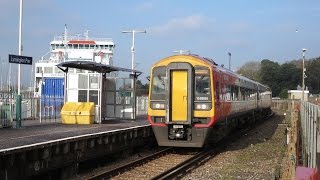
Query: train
<point>193,101</point>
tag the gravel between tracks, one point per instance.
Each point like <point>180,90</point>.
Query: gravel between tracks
<point>256,155</point>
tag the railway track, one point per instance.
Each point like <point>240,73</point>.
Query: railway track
<point>163,164</point>
<point>170,163</point>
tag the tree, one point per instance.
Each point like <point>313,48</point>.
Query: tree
<point>283,93</point>
<point>141,89</point>
<point>251,70</point>
<point>269,75</point>
<point>289,76</point>
<point>312,72</point>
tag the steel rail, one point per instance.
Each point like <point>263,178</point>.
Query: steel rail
<point>182,167</point>
<point>112,172</point>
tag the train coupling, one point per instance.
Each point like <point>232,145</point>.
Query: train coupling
<point>177,132</point>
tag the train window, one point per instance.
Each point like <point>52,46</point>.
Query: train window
<point>234,93</point>
<point>202,85</point>
<point>228,94</point>
<point>159,80</point>
<point>158,84</point>
<point>202,82</point>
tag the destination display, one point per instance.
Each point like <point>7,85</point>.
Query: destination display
<point>20,59</point>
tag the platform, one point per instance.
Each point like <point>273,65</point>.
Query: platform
<point>34,133</point>
<point>36,148</point>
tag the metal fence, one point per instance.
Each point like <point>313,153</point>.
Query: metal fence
<point>309,129</point>
<point>142,105</point>
<point>310,133</point>
<point>42,110</point>
<point>33,109</point>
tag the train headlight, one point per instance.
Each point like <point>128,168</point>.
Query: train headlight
<point>202,106</point>
<point>157,105</point>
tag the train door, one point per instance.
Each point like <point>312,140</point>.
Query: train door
<point>180,93</point>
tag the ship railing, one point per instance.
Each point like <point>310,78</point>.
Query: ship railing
<point>80,38</point>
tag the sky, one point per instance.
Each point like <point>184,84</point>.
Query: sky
<point>250,30</point>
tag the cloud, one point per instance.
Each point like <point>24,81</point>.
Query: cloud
<point>189,23</point>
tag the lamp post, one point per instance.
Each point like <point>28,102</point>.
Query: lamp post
<point>18,99</point>
<point>303,72</point>
<point>132,47</point>
<point>20,44</point>
<point>132,67</point>
<point>229,53</point>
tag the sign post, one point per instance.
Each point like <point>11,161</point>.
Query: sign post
<point>19,60</point>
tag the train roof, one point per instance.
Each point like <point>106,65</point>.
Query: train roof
<point>215,65</point>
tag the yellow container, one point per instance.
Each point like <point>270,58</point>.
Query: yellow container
<point>78,113</point>
<point>85,113</point>
<point>68,113</point>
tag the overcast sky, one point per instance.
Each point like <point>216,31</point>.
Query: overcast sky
<point>249,29</point>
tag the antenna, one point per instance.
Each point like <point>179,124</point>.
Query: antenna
<point>86,34</point>
<point>182,51</point>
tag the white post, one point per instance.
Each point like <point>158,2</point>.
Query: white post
<point>20,45</point>
<point>132,65</point>
<point>132,47</point>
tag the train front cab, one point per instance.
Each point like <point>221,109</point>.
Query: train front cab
<point>180,106</point>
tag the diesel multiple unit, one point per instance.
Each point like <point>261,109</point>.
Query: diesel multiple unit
<point>191,98</point>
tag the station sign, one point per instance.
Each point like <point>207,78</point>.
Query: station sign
<point>20,59</point>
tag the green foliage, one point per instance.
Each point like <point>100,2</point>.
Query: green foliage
<point>251,70</point>
<point>312,80</point>
<point>289,76</point>
<point>141,89</point>
<point>269,75</point>
<point>283,93</point>
<point>281,78</point>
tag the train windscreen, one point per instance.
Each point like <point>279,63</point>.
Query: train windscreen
<point>159,81</point>
<point>202,83</point>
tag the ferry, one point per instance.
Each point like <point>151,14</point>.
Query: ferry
<point>49,79</point>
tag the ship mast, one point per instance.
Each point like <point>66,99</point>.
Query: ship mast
<point>65,42</point>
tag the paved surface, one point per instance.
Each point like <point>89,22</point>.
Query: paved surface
<point>33,132</point>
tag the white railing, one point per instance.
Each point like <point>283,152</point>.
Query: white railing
<point>74,37</point>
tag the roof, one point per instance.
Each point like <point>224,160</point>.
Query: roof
<point>93,66</point>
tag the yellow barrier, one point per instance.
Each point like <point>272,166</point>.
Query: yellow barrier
<point>78,113</point>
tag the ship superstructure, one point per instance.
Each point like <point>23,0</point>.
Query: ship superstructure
<point>49,80</point>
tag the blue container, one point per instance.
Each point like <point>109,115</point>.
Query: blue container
<point>53,87</point>
<point>52,96</point>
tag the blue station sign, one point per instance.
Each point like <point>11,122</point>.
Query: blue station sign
<point>20,59</point>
